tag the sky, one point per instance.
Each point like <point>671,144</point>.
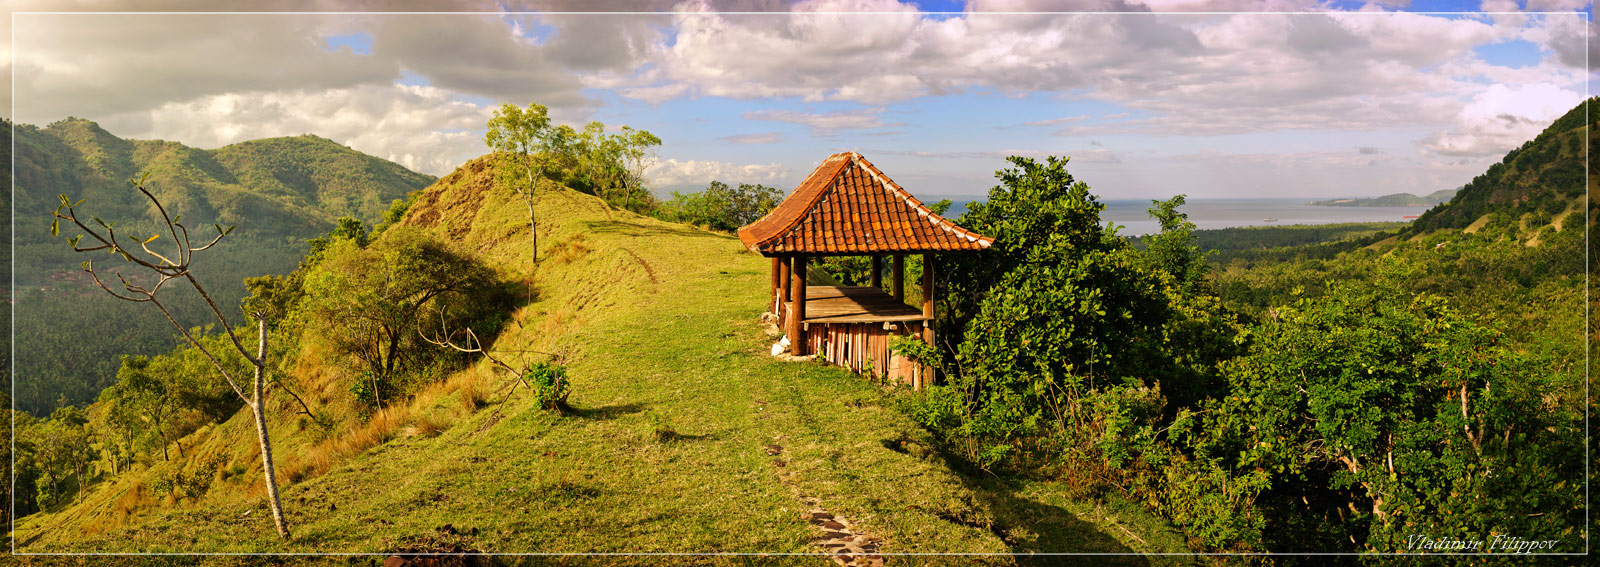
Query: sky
<point>1208,98</point>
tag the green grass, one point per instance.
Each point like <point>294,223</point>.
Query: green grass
<point>676,407</point>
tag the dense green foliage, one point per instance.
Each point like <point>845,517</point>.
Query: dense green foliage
<point>1335,389</point>
<point>721,207</point>
<point>1373,413</point>
<point>1061,308</point>
<point>549,383</point>
<point>158,400</point>
<point>366,299</point>
<point>278,192</point>
<point>370,302</point>
<point>1266,244</point>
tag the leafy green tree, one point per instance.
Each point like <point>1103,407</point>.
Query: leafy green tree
<point>612,165</point>
<point>1057,306</point>
<point>24,460</point>
<point>637,154</point>
<point>62,449</point>
<point>722,207</point>
<point>346,228</point>
<point>1062,332</point>
<point>145,408</point>
<point>369,302</point>
<point>1173,250</point>
<point>1376,414</point>
<point>523,141</point>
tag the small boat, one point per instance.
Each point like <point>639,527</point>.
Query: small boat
<point>1269,219</point>
<point>1409,216</point>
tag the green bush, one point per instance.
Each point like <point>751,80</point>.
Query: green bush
<point>549,383</point>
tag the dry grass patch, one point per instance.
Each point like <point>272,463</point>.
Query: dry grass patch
<point>567,250</point>
<point>318,459</point>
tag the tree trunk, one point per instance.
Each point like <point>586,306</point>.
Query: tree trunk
<point>533,236</point>
<point>533,232</point>
<point>258,408</point>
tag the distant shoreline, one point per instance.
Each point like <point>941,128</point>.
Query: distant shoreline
<point>1390,200</point>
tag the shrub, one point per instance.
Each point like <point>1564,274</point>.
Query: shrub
<point>549,383</point>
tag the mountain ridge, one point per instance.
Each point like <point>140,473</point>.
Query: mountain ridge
<point>277,192</point>
<point>1390,200</point>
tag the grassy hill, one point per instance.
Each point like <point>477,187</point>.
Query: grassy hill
<point>278,192</point>
<point>1542,179</point>
<point>685,436</point>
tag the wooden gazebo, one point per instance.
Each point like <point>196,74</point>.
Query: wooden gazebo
<point>846,207</point>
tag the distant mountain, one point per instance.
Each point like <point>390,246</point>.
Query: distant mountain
<point>1391,200</point>
<point>278,192</point>
<point>1543,177</point>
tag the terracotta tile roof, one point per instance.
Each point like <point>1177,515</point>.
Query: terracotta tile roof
<point>847,206</point>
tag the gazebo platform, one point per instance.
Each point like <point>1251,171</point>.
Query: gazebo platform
<point>856,304</point>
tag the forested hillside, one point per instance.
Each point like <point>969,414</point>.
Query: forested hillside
<point>1541,180</point>
<point>277,192</point>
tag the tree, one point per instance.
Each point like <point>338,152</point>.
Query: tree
<point>521,140</point>
<point>1056,308</point>
<point>724,208</point>
<point>637,153</point>
<point>161,269</point>
<point>367,301</point>
<point>62,448</point>
<point>1173,250</point>
<point>613,165</point>
<point>144,408</point>
<point>1386,414</point>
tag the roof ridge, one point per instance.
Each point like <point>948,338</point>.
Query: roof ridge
<point>936,219</point>
<point>908,223</point>
<point>811,201</point>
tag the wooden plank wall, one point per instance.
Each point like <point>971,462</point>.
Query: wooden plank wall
<point>864,347</point>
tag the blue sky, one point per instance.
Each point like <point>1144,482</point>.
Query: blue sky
<point>1353,100</point>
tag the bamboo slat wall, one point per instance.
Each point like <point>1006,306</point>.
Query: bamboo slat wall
<point>864,348</point>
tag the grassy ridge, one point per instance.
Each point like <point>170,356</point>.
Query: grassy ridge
<point>685,436</point>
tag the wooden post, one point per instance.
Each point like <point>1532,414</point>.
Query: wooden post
<point>783,281</point>
<point>927,293</point>
<point>927,312</point>
<point>797,339</point>
<point>900,277</point>
<point>776,280</point>
<point>877,271</point>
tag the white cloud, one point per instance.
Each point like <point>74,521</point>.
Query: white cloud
<point>673,172</point>
<point>1502,118</point>
<point>1192,73</point>
<point>96,65</point>
<point>422,128</point>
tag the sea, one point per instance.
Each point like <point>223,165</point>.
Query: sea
<point>1133,219</point>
